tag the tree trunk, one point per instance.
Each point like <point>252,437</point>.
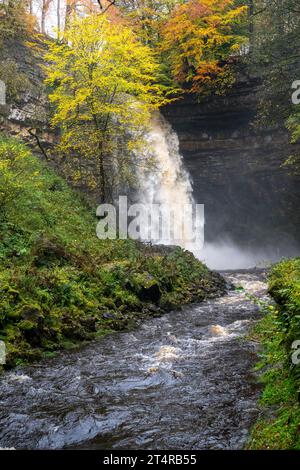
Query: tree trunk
<point>251,25</point>
<point>58,19</point>
<point>102,179</point>
<point>43,17</point>
<point>70,10</point>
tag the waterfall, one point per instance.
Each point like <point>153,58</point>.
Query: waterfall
<point>168,183</point>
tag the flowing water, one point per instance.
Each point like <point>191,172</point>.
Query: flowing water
<point>169,186</point>
<point>168,183</point>
<point>181,381</point>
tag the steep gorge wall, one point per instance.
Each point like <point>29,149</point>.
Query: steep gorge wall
<point>237,171</point>
<point>27,106</point>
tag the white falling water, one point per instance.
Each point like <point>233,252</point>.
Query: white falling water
<point>168,184</point>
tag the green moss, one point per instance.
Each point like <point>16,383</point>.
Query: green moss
<point>61,285</point>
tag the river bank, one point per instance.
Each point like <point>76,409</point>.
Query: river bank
<point>278,333</point>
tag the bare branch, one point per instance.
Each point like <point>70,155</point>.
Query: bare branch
<point>39,143</point>
<point>104,9</point>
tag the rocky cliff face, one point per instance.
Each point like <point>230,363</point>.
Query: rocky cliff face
<point>27,107</point>
<point>237,171</point>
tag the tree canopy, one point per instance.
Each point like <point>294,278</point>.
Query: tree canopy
<point>104,88</point>
<point>198,37</point>
<point>275,58</point>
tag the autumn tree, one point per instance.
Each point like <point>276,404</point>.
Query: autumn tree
<point>199,37</point>
<point>104,89</point>
<point>147,17</point>
<point>75,8</point>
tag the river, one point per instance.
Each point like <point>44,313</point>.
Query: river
<point>181,381</point>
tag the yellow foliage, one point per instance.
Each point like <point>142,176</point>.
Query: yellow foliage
<point>101,68</point>
<point>103,86</point>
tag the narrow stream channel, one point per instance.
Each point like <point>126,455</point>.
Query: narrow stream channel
<point>182,381</point>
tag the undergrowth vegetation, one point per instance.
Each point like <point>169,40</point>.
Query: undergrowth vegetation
<point>279,427</point>
<point>60,284</point>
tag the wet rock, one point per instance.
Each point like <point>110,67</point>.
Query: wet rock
<point>109,316</point>
<point>229,286</point>
<point>151,293</point>
<point>146,287</point>
<point>154,308</point>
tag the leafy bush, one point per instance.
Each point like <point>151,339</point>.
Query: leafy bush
<point>278,424</point>
<point>278,428</point>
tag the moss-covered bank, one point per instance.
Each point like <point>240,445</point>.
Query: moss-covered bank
<point>60,284</point>
<point>279,426</point>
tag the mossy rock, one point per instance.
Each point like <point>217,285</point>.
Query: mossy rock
<point>49,251</point>
<point>26,325</point>
<point>31,313</point>
<point>146,287</point>
<point>12,295</point>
